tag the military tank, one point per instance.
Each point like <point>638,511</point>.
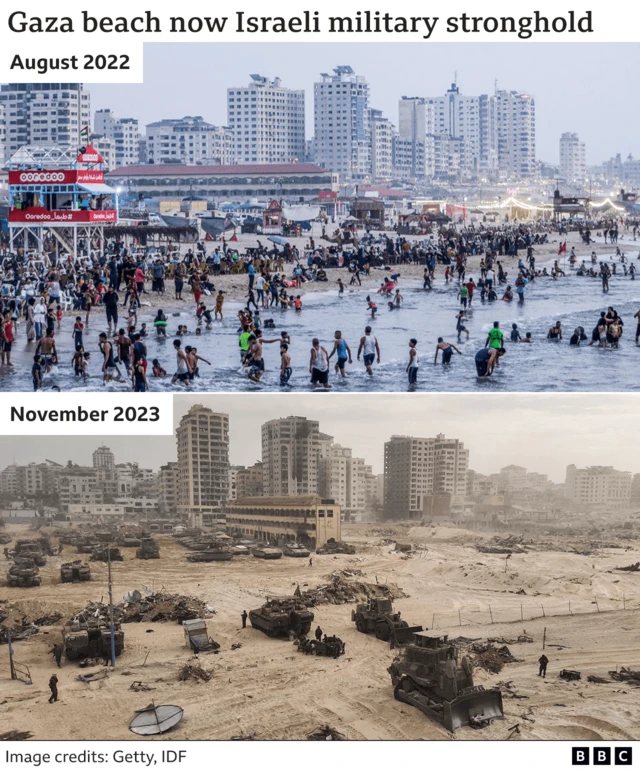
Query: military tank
<point>295,550</point>
<point>149,550</point>
<point>5,538</point>
<point>428,675</point>
<point>90,640</point>
<point>211,554</point>
<point>336,547</point>
<point>280,616</point>
<point>129,540</point>
<point>102,553</point>
<point>30,550</point>
<point>24,574</point>
<point>74,572</point>
<point>266,552</point>
<point>85,544</point>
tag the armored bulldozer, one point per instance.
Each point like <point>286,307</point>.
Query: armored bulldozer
<point>282,616</point>
<point>428,676</point>
<point>336,547</point>
<point>295,550</point>
<point>266,552</point>
<point>104,553</point>
<point>149,550</point>
<point>129,540</point>
<point>330,646</point>
<point>74,572</point>
<point>90,640</point>
<point>24,574</point>
<point>377,616</point>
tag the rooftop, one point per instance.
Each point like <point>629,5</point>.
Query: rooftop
<point>177,170</point>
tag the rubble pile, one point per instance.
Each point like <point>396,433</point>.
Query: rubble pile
<point>626,675</point>
<point>634,568</point>
<point>511,544</point>
<point>340,591</point>
<point>487,656</point>
<point>193,671</point>
<point>325,733</point>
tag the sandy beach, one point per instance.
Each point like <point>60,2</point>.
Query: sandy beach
<point>268,690</point>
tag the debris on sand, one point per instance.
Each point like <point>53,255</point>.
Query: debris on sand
<point>160,606</point>
<point>509,691</point>
<point>490,658</point>
<point>570,674</point>
<point>325,733</point>
<point>138,685</point>
<point>193,671</point>
<point>596,679</point>
<point>19,630</point>
<point>634,568</point>
<point>341,591</point>
<point>626,675</point>
<point>15,736</point>
<point>511,544</point>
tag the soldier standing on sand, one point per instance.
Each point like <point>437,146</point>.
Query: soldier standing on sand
<point>244,619</point>
<point>543,661</point>
<point>318,634</point>
<point>57,652</point>
<point>53,687</point>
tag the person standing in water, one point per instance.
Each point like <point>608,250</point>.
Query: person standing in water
<point>370,349</point>
<point>447,351</point>
<point>414,363</point>
<point>319,364</point>
<point>341,347</point>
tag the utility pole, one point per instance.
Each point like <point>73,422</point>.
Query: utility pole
<point>111,625</point>
<point>11,665</point>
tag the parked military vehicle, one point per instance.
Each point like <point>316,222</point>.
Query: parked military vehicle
<point>149,550</point>
<point>104,553</point>
<point>280,616</point>
<point>427,675</point>
<point>329,646</point>
<point>377,617</point>
<point>30,550</point>
<point>295,550</point>
<point>266,552</point>
<point>129,540</point>
<point>336,547</point>
<point>211,554</point>
<point>23,574</point>
<point>104,536</point>
<point>90,640</point>
<point>5,538</point>
<point>197,637</point>
<point>74,572</point>
<point>240,551</point>
<point>85,544</point>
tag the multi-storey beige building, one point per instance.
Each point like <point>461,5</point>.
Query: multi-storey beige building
<point>598,485</point>
<point>290,453</point>
<point>417,468</point>
<point>203,465</point>
<point>250,481</point>
<point>308,519</point>
<point>169,488</point>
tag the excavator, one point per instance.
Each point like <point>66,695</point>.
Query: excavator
<point>429,676</point>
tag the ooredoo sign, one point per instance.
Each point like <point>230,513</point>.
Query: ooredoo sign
<point>52,177</point>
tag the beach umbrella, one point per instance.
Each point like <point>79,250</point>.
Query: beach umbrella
<point>278,240</point>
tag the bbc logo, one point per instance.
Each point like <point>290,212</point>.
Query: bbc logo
<point>601,756</point>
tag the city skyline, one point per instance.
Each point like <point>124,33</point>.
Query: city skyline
<point>478,66</point>
<point>490,429</point>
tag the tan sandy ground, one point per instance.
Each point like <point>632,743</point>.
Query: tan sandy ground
<point>269,690</point>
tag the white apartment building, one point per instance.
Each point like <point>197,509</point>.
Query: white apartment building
<point>267,121</point>
<point>417,468</point>
<point>124,132</point>
<point>290,454</point>
<point>573,158</point>
<point>78,485</point>
<point>44,114</point>
<point>382,133</point>
<point>598,485</point>
<point>107,149</point>
<point>341,478</point>
<point>203,465</point>
<point>516,127</point>
<point>190,141</point>
<point>27,481</point>
<point>168,488</point>
<point>342,126</point>
<point>102,457</point>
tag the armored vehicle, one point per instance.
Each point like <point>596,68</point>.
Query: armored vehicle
<point>74,572</point>
<point>90,640</point>
<point>24,574</point>
<point>266,552</point>
<point>102,553</point>
<point>377,616</point>
<point>295,550</point>
<point>428,676</point>
<point>149,550</point>
<point>336,547</point>
<point>129,540</point>
<point>211,554</point>
<point>280,616</point>
<point>31,550</point>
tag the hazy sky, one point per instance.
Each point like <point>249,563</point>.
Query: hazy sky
<point>583,87</point>
<point>542,432</point>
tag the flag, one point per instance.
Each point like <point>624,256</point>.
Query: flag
<point>562,248</point>
<point>84,134</point>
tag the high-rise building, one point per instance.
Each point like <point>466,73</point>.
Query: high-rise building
<point>34,479</point>
<point>250,482</point>
<point>103,458</point>
<point>169,488</point>
<point>290,452</point>
<point>341,478</point>
<point>573,159</point>
<point>203,465</point>
<point>516,127</point>
<point>106,148</point>
<point>417,468</point>
<point>598,485</point>
<point>44,114</point>
<point>267,120</point>
<point>382,133</point>
<point>189,140</point>
<point>342,126</point>
<point>123,131</point>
